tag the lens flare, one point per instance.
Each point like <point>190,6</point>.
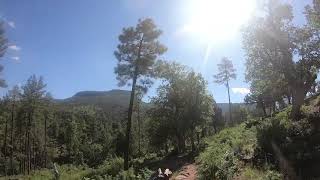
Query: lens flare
<point>216,20</point>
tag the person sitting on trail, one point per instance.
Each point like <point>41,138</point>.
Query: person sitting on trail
<point>165,176</point>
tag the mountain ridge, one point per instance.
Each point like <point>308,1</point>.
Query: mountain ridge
<point>115,97</point>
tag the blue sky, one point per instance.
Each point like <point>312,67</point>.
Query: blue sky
<point>71,43</point>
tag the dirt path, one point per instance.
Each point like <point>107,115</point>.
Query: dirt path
<point>187,172</point>
<point>182,166</point>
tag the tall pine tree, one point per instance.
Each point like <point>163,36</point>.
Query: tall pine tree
<point>225,74</point>
<point>137,53</point>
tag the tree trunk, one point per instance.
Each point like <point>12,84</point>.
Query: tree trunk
<point>29,145</point>
<point>133,89</point>
<point>45,141</point>
<point>20,149</point>
<point>214,128</point>
<point>298,96</point>
<point>230,112</point>
<point>11,139</point>
<point>273,109</point>
<point>139,129</point>
<point>166,147</point>
<point>5,147</point>
<point>34,154</point>
<point>262,105</point>
<point>25,158</point>
<point>192,141</point>
<point>128,133</point>
<point>181,143</point>
<point>198,139</point>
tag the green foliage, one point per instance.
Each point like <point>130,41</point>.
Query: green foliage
<point>259,174</point>
<point>296,143</point>
<point>282,59</point>
<point>313,14</point>
<point>52,132</point>
<point>138,51</point>
<point>112,169</point>
<point>67,172</point>
<point>182,103</point>
<point>218,121</point>
<point>222,158</point>
<point>226,72</point>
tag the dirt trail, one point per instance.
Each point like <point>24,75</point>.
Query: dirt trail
<point>183,167</point>
<point>187,172</point>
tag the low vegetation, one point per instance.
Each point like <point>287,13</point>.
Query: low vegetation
<point>222,159</point>
<point>270,148</point>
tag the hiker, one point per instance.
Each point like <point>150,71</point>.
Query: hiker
<point>163,176</point>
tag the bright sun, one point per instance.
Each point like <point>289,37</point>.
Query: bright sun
<point>216,20</point>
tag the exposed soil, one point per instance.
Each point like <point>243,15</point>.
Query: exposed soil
<point>187,172</point>
<point>182,167</point>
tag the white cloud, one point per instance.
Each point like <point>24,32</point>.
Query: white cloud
<point>15,58</point>
<point>11,24</point>
<point>242,91</point>
<point>14,47</point>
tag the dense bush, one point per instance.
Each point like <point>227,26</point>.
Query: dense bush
<point>109,167</point>
<point>67,172</point>
<point>222,158</point>
<point>293,146</point>
<point>112,169</point>
<point>259,174</point>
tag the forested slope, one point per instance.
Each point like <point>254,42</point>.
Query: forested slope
<point>276,147</point>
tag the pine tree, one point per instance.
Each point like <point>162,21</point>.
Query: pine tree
<point>14,96</point>
<point>137,52</point>
<point>225,74</point>
<point>32,97</point>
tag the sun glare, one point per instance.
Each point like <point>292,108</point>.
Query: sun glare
<point>216,20</point>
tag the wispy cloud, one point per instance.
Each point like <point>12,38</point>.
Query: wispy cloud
<point>14,47</point>
<point>11,24</point>
<point>242,91</point>
<point>16,58</point>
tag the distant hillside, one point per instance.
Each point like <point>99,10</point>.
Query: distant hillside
<point>117,99</point>
<point>112,97</point>
<point>108,100</point>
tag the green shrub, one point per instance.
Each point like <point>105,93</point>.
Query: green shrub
<point>256,174</point>
<point>112,169</point>
<point>221,159</point>
<point>67,172</point>
<point>297,141</point>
